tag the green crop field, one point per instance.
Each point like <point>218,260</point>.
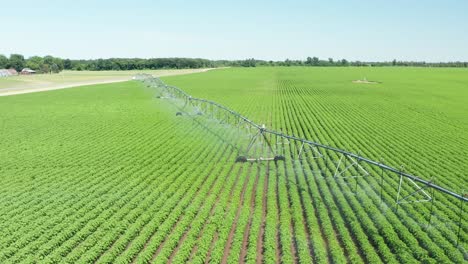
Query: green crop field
<point>109,173</point>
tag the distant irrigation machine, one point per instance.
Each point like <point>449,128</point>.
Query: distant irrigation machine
<point>347,165</point>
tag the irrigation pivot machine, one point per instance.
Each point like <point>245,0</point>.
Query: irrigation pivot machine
<point>277,147</point>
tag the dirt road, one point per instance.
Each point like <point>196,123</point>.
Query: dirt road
<point>40,87</point>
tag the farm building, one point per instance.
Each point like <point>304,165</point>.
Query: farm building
<point>4,73</point>
<point>7,72</point>
<point>13,72</point>
<point>27,71</point>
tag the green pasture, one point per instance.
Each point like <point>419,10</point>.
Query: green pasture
<point>416,117</point>
<point>110,174</point>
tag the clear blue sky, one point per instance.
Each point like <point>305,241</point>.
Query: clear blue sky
<point>356,30</point>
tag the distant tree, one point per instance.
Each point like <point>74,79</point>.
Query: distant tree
<point>79,67</point>
<point>308,61</point>
<point>394,62</point>
<point>48,59</point>
<point>330,61</point>
<point>54,68</point>
<point>48,62</point>
<point>344,62</point>
<point>16,61</point>
<point>3,62</point>
<point>249,63</point>
<point>34,63</point>
<point>315,61</point>
<point>59,63</point>
<point>67,64</point>
<point>357,63</point>
<point>45,68</point>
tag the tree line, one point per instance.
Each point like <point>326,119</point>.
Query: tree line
<point>50,64</point>
<point>330,62</point>
<point>47,64</point>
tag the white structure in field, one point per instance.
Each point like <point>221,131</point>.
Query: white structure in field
<point>8,72</point>
<point>27,71</point>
